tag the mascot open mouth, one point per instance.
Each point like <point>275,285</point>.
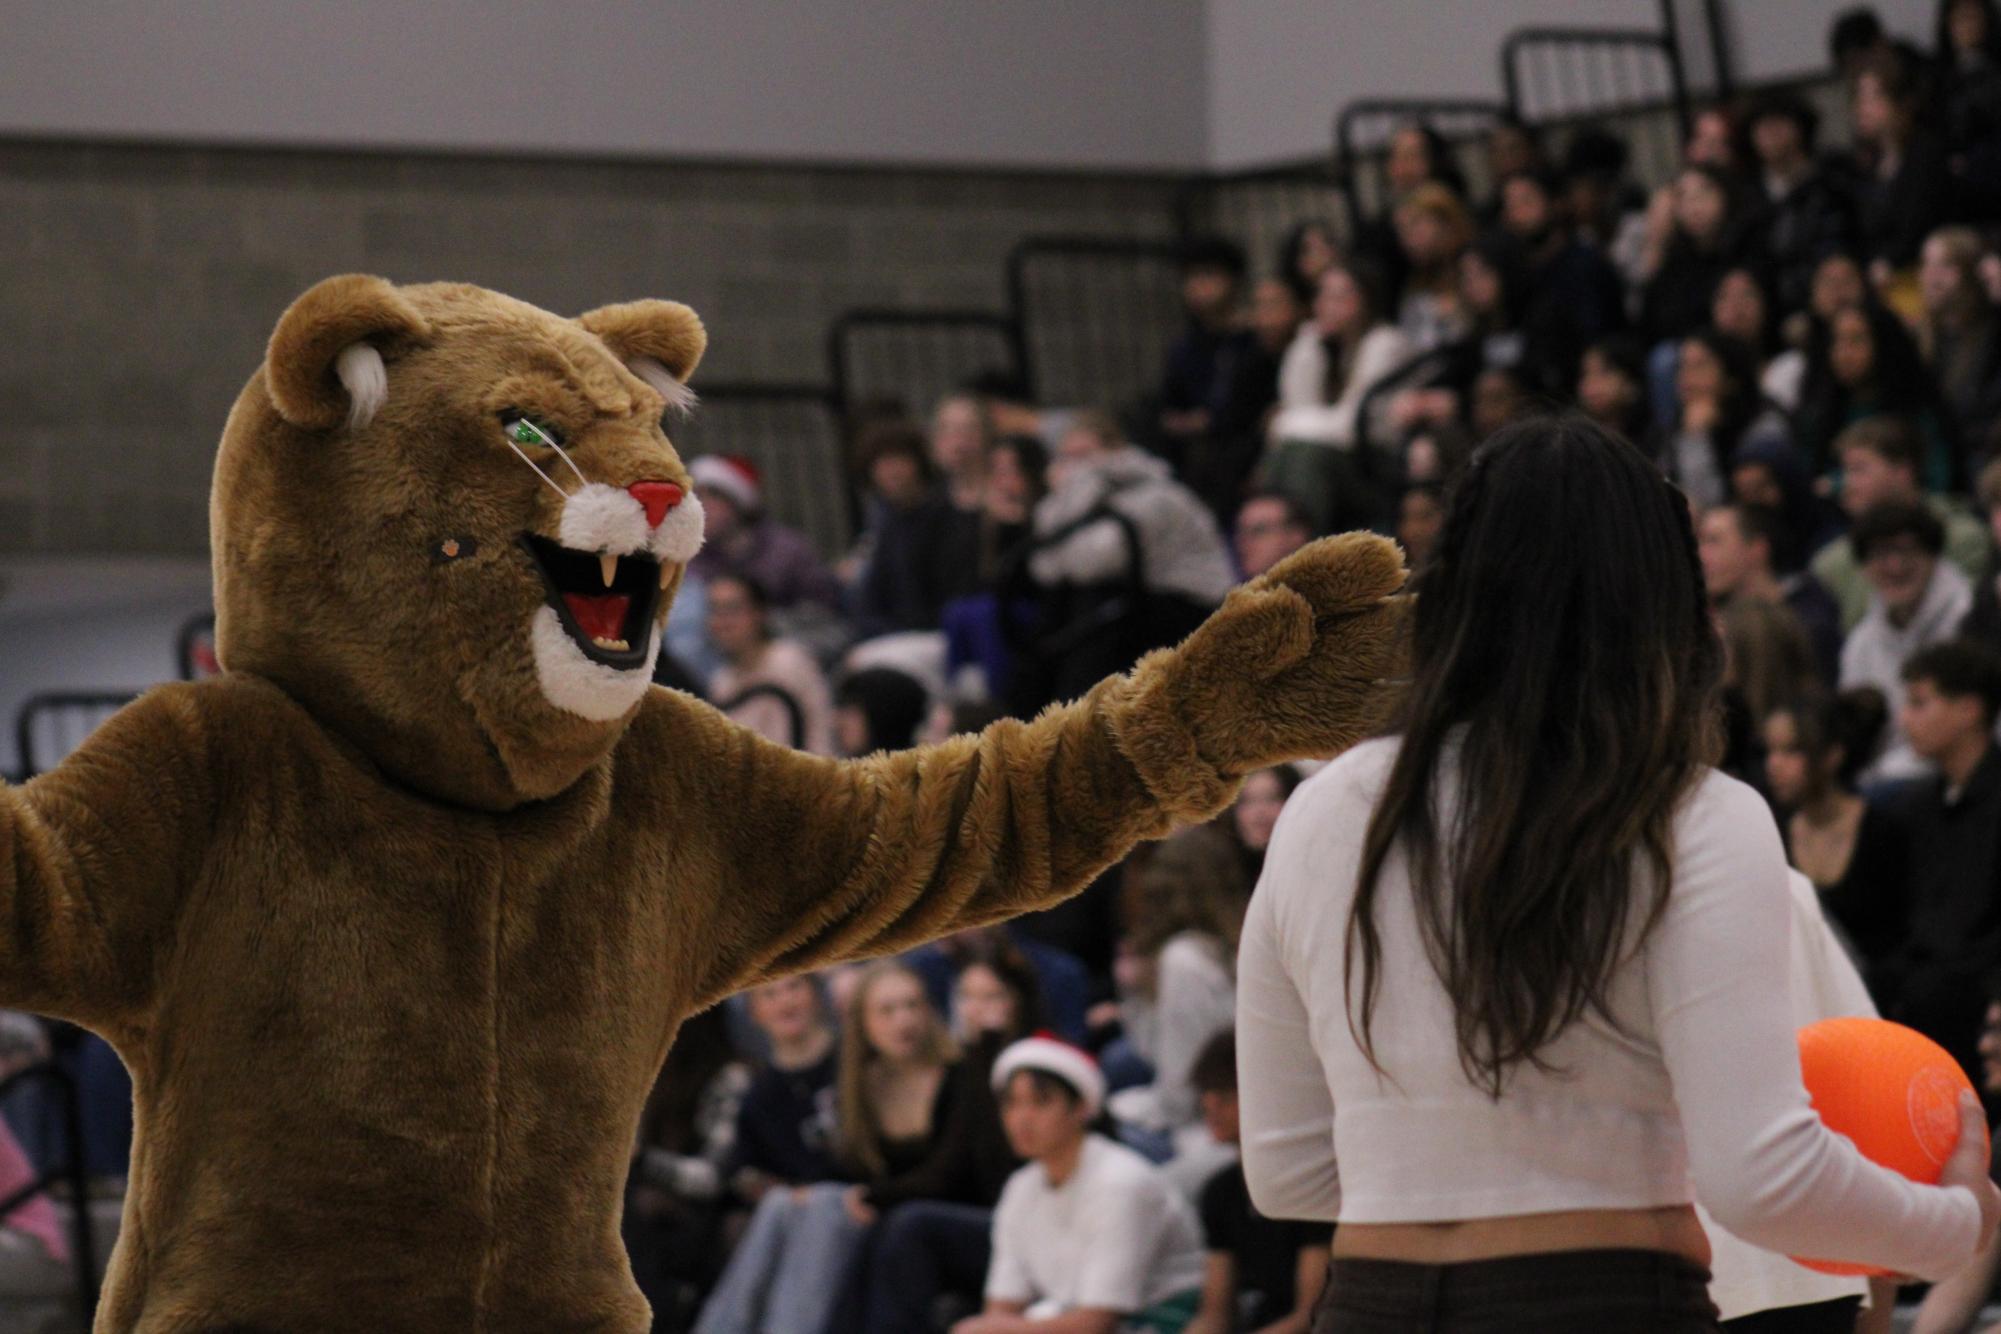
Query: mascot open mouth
<point>604,603</point>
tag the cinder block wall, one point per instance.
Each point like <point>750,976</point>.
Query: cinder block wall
<point>138,283</point>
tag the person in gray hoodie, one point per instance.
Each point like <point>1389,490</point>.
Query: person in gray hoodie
<point>1124,558</point>
<point>1915,599</point>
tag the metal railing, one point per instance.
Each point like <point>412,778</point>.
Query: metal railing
<point>1096,316</point>
<point>916,357</point>
<point>49,726</point>
<point>1363,130</point>
<point>1620,78</point>
<point>1375,451</point>
<point>1258,208</point>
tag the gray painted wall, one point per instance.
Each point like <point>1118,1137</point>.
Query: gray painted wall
<point>138,285</point>
<point>1079,83</point>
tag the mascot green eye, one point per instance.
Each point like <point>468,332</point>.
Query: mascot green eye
<point>525,430</point>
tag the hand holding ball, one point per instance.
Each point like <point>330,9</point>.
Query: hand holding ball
<point>1904,1102</point>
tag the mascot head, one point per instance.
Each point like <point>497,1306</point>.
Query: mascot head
<point>449,524</point>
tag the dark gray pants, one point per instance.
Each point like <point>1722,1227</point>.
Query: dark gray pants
<point>1570,1292</point>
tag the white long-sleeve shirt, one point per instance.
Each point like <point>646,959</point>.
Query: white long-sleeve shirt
<point>1744,1279</point>
<point>1195,1000</point>
<point>1303,410</point>
<point>1700,1096</point>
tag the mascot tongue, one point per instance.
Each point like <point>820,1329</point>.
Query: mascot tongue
<point>599,617</point>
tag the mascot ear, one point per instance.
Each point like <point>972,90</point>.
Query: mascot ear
<point>324,365</point>
<point>659,341</point>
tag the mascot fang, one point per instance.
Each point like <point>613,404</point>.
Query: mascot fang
<point>394,921</point>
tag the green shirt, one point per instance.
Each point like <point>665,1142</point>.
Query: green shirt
<point>1966,546</point>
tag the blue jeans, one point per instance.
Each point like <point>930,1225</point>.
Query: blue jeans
<point>789,1269</point>
<point>920,1252</point>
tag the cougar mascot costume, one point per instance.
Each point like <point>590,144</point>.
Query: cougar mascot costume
<point>394,921</point>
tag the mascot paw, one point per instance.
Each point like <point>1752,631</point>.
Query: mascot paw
<point>1299,663</point>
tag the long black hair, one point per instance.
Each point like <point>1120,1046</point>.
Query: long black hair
<point>1564,684</point>
<point>1899,382</point>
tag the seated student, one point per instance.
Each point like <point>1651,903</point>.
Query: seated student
<point>1335,359</point>
<point>1879,463</point>
<point>1960,335</point>
<point>1220,377</point>
<point>770,685</point>
<point>1089,1237</point>
<point>1269,527</point>
<point>1255,813</point>
<point>1952,824</point>
<point>785,1123</point>
<point>1126,559</point>
<point>739,538</point>
<point>1063,982</point>
<point>1851,852</point>
<point>1738,545</point>
<point>1575,294</point>
<point>878,708</point>
<point>1803,210</point>
<point>1263,1274</point>
<point>1917,599</point>
<point>937,1222</point>
<point>922,543</point>
<point>802,1245</point>
<point>1420,520</point>
<point>1185,904</point>
<point>1717,410</point>
<point>1862,362</point>
<point>1902,178</point>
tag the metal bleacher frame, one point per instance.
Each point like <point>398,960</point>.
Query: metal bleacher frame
<point>1109,356</point>
<point>950,330</point>
<point>36,706</point>
<point>1363,128</point>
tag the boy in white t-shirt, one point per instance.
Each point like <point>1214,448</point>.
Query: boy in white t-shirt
<point>1089,1237</point>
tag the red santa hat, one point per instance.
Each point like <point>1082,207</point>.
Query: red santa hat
<point>1053,1056</point>
<point>732,476</point>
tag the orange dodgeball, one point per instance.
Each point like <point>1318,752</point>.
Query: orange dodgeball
<point>1891,1090</point>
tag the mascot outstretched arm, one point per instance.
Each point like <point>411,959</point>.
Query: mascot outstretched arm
<point>394,922</point>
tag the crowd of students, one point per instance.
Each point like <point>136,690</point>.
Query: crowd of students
<point>1010,1125</point>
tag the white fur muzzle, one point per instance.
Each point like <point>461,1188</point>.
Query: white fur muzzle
<point>602,519</point>
<point>574,683</point>
<point>679,535</point>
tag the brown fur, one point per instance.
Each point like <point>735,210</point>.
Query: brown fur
<point>394,947</point>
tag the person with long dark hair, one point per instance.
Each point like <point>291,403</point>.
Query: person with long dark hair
<point>1862,362</point>
<point>1528,946</point>
<point>1718,407</point>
